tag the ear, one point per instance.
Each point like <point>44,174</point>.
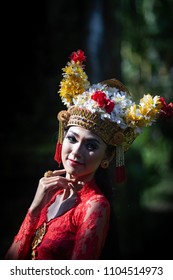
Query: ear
<point>109,155</point>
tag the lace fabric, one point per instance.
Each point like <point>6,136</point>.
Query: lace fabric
<point>77,233</point>
<point>20,249</point>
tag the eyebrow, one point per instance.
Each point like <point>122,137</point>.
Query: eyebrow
<point>87,139</point>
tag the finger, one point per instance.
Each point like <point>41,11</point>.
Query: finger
<point>70,185</point>
<point>58,185</point>
<point>59,172</point>
<point>50,173</point>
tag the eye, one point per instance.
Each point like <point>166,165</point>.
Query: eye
<point>71,138</point>
<point>91,146</point>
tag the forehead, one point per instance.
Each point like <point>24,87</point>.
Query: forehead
<point>83,132</point>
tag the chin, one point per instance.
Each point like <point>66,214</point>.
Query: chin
<point>72,171</point>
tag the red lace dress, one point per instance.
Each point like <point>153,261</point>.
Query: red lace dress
<point>77,230</point>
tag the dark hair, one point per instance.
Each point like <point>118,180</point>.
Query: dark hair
<point>104,177</point>
<point>105,181</point>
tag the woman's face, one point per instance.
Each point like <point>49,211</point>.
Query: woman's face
<point>82,153</point>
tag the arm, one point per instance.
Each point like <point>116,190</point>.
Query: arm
<point>21,246</point>
<point>92,232</point>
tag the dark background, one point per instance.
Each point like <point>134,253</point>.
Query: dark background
<point>129,40</point>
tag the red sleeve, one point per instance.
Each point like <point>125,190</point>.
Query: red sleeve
<point>21,246</point>
<point>91,234</point>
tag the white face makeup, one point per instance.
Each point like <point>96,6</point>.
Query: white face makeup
<point>82,153</point>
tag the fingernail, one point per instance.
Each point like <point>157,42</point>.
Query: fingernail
<point>71,185</point>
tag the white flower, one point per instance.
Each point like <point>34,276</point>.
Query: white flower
<point>121,101</point>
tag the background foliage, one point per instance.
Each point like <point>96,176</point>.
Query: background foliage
<point>130,40</point>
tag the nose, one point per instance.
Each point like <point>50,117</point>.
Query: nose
<point>77,150</point>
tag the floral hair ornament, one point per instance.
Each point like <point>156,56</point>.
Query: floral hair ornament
<point>106,109</point>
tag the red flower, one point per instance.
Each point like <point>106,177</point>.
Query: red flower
<point>167,109</point>
<point>78,56</point>
<point>103,102</point>
<point>100,97</point>
<point>109,106</point>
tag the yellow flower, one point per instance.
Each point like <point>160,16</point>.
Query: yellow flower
<point>134,117</point>
<point>150,106</point>
<point>74,82</point>
<point>145,113</point>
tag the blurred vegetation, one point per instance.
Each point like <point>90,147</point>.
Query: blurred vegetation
<point>135,46</point>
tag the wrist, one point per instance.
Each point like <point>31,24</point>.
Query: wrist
<point>33,212</point>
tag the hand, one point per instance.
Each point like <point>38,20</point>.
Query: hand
<point>47,187</point>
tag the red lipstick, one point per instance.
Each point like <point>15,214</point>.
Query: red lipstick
<point>74,162</point>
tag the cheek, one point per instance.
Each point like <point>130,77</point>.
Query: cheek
<point>94,159</point>
<point>92,164</point>
<point>65,149</point>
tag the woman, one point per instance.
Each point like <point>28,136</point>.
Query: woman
<point>69,217</point>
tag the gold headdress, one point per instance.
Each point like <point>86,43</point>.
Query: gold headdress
<point>106,108</point>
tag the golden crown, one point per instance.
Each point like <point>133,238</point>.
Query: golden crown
<point>105,108</point>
